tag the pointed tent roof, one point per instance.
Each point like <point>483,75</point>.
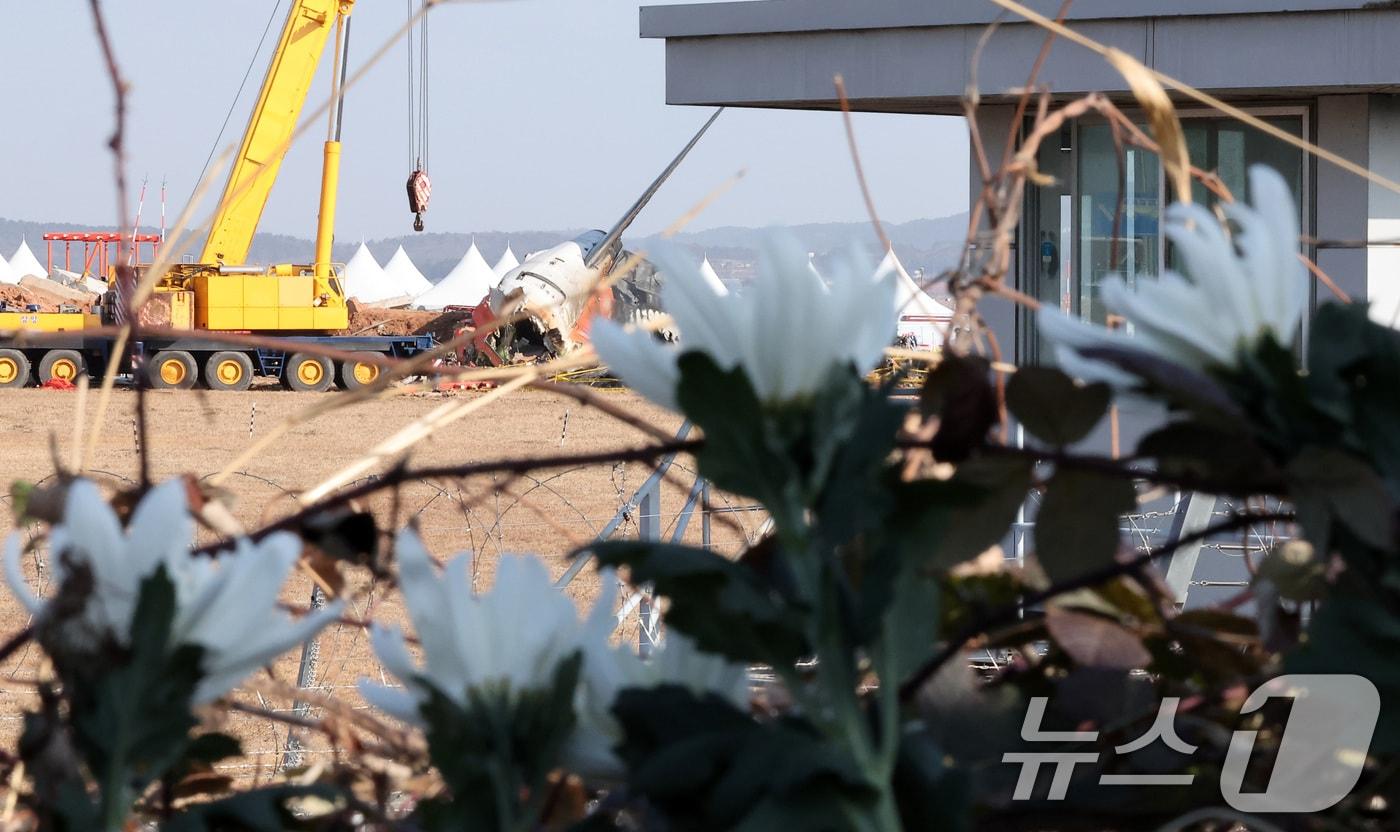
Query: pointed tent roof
<point>910,299</point>
<point>24,263</point>
<point>405,275</point>
<point>708,272</point>
<point>365,280</point>
<point>466,285</point>
<point>507,262</point>
<point>7,274</point>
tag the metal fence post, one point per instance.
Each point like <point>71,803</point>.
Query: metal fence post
<point>306,675</point>
<point>649,528</point>
<point>1191,517</point>
<point>705,516</point>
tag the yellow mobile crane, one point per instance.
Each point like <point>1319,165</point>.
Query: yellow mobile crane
<point>221,292</point>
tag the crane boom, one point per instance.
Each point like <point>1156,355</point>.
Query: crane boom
<point>270,128</point>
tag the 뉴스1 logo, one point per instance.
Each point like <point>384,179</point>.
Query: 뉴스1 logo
<point>1319,760</point>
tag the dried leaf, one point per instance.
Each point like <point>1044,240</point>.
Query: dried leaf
<point>1094,641</point>
<point>1161,117</point>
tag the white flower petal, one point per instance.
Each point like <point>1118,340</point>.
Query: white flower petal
<point>250,582</point>
<point>1238,290</point>
<point>644,363</point>
<point>396,702</point>
<point>427,597</point>
<point>161,528</point>
<point>14,575</point>
<point>699,309</point>
<point>392,652</point>
<point>226,668</point>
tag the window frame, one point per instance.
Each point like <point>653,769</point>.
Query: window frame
<point>1027,342</point>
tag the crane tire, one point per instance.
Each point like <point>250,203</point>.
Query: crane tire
<point>67,365</point>
<point>353,375</point>
<point>307,373</point>
<point>170,370</point>
<point>228,370</point>
<point>14,369</point>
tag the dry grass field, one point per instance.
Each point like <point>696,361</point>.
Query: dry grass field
<point>548,512</point>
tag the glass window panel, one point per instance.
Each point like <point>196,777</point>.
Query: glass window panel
<point>1049,264</point>
<point>1231,149</point>
<point>1098,219</point>
<point>1119,212</point>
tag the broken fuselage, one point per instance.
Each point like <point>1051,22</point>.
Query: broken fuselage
<point>551,299</point>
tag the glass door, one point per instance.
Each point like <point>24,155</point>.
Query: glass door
<point>1102,215</point>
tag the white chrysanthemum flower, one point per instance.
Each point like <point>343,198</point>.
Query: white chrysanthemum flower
<point>787,332</point>
<point>608,671</point>
<point>1240,288</point>
<point>225,605</point>
<point>517,633</point>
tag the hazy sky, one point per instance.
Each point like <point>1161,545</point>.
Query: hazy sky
<point>545,114</point>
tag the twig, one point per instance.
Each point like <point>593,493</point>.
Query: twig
<point>885,244</point>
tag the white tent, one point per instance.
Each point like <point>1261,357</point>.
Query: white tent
<point>919,314</point>
<point>507,262</point>
<point>364,279</point>
<point>466,285</point>
<point>7,274</point>
<point>25,264</point>
<point>405,275</point>
<point>708,272</point>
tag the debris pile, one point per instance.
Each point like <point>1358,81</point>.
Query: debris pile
<point>32,291</point>
<point>374,320</point>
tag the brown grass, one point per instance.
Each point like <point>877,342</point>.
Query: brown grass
<point>548,513</point>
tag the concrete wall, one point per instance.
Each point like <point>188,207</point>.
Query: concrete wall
<point>1383,261</point>
<point>926,69</point>
<point>1342,198</point>
<point>1001,315</point>
<point>747,18</point>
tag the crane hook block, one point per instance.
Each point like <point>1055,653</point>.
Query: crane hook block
<point>420,190</point>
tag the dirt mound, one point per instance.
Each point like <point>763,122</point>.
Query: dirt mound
<point>370,320</point>
<point>20,297</point>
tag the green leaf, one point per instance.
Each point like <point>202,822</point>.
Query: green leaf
<point>910,629</point>
<point>1354,376</point>
<point>1076,529</point>
<point>496,753</point>
<point>960,393</point>
<point>131,717</point>
<point>856,490</point>
<point>707,765</point>
<point>1295,570</point>
<point>1052,407</point>
<point>1215,459</point>
<point>1360,636</point>
<point>948,522</point>
<point>930,793</point>
<point>1328,484</point>
<point>739,455</point>
<point>1178,386</point>
<point>725,606</point>
<point>20,492</point>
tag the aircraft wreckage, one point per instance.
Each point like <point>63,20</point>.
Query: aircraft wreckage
<point>552,298</point>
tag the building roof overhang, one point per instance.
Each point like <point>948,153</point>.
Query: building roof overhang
<point>917,56</point>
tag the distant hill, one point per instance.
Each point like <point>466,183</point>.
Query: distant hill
<point>929,244</point>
